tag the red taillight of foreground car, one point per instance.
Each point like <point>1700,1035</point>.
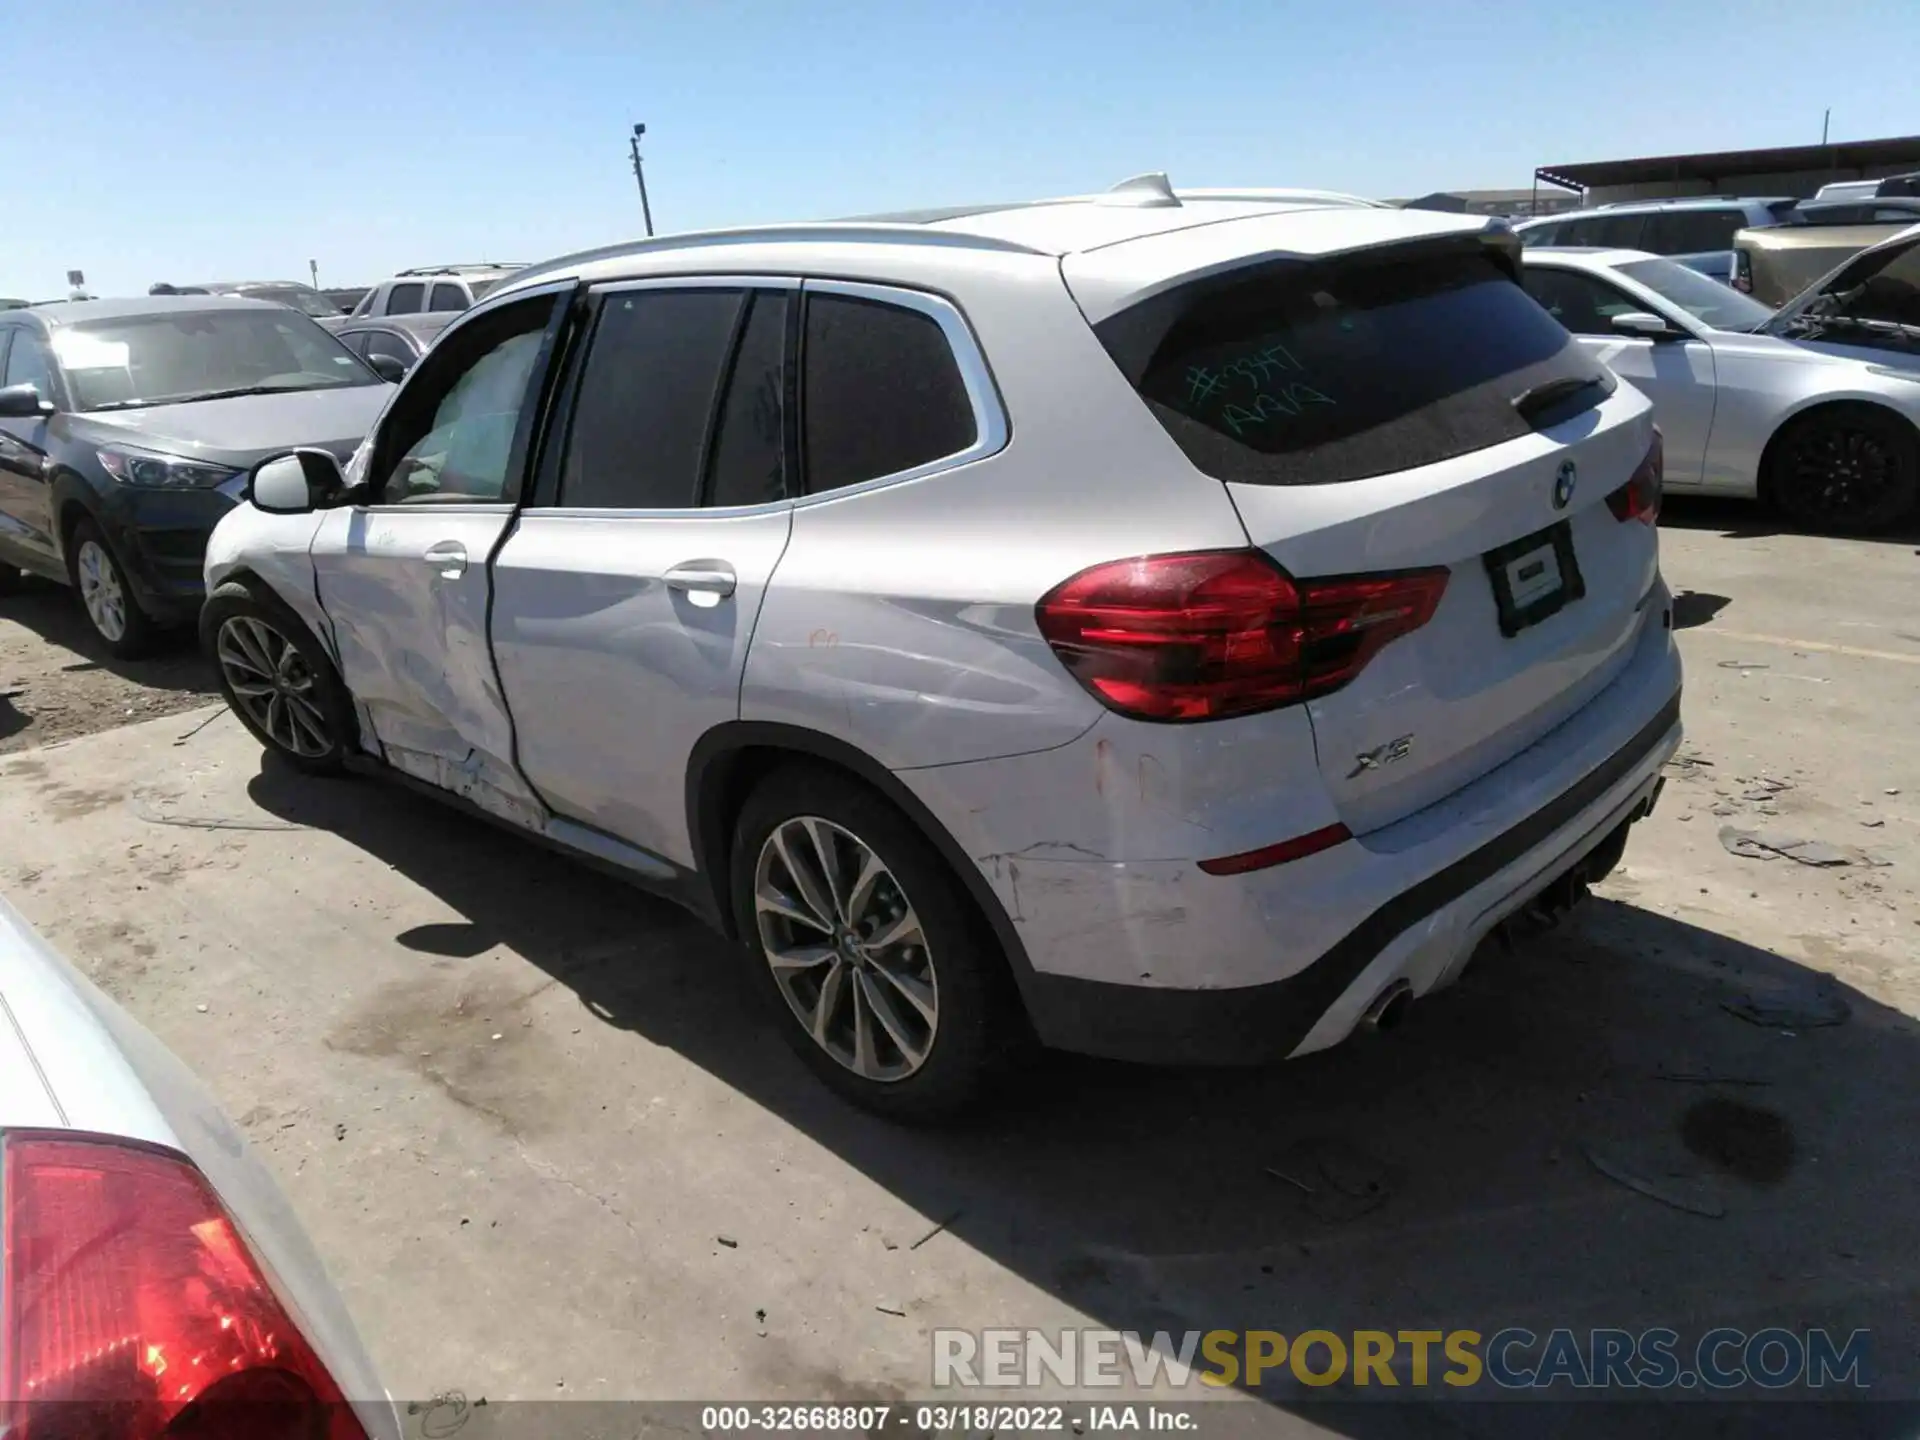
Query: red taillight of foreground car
<point>134,1310</point>
<point>1215,633</point>
<point>1286,851</point>
<point>1639,498</point>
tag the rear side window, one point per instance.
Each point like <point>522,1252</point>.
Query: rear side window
<point>1313,373</point>
<point>883,392</point>
<point>448,297</point>
<point>1691,232</point>
<point>646,397</point>
<point>1611,232</point>
<point>405,299</point>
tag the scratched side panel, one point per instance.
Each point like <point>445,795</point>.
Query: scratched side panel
<point>902,617</point>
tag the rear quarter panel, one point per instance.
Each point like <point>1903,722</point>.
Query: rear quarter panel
<point>901,618</point>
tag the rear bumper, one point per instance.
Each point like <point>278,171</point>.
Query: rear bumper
<point>1152,959</point>
<point>1422,935</point>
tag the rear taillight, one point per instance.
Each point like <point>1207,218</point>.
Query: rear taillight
<point>1639,498</point>
<point>1214,633</point>
<point>135,1311</point>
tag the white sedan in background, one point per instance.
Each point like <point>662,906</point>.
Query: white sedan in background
<point>1814,408</point>
<point>156,1280</point>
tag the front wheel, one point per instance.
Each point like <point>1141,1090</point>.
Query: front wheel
<point>1848,469</point>
<point>122,626</point>
<point>277,678</point>
<point>879,972</point>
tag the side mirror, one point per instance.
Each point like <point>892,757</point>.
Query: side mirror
<point>296,483</point>
<point>388,368</point>
<point>1645,325</point>
<point>23,402</point>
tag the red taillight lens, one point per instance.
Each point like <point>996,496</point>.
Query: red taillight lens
<point>1214,633</point>
<point>1639,498</point>
<point>134,1310</point>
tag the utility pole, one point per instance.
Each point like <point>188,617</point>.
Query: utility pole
<point>640,174</point>
<point>1825,120</point>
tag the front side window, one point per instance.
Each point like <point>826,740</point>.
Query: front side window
<point>448,297</point>
<point>29,363</point>
<point>1581,303</point>
<point>1310,373</point>
<point>385,342</point>
<point>882,392</point>
<point>405,299</point>
<point>451,435</point>
<point>646,397</point>
<point>177,356</point>
<point>1539,235</point>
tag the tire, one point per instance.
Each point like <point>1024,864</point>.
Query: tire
<point>1844,469</point>
<point>277,677</point>
<point>100,582</point>
<point>12,579</point>
<point>976,1033</point>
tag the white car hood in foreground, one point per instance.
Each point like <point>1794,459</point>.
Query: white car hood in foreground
<point>72,1059</point>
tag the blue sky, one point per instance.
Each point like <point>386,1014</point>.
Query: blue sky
<point>143,140</point>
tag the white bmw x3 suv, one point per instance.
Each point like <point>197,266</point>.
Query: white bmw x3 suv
<point>1169,627</point>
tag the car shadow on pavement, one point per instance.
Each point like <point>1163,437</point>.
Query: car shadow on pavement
<point>52,612</point>
<point>1630,1122</point>
<point>1750,520</point>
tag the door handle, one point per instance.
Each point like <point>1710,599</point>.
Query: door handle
<point>449,558</point>
<point>703,577</point>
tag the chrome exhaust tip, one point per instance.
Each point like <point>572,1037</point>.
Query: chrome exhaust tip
<point>1389,1007</point>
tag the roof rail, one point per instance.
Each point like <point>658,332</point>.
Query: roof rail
<point>1283,193</point>
<point>816,232</point>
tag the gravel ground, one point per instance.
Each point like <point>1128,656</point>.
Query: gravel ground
<point>58,682</point>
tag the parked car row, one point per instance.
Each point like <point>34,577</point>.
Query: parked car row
<point>1059,622</point>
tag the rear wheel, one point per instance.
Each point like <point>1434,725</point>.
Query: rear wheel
<point>277,678</point>
<point>1851,469</point>
<point>880,973</point>
<point>101,583</point>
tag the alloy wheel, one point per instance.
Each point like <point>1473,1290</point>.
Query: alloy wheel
<point>846,948</point>
<point>1839,475</point>
<point>272,682</point>
<point>101,591</point>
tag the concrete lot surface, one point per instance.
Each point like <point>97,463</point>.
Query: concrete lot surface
<point>550,1150</point>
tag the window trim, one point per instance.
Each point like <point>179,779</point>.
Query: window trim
<point>544,495</point>
<point>530,431</point>
<point>991,428</point>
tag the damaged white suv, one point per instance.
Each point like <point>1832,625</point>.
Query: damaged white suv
<point>1167,626</point>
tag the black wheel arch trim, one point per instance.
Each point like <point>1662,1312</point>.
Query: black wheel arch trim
<point>708,771</point>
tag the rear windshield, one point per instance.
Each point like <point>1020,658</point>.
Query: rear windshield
<point>1312,373</point>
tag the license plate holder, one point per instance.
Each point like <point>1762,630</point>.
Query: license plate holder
<point>1534,577</point>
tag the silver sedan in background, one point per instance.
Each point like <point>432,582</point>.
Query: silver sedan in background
<point>157,1281</point>
<point>1814,408</point>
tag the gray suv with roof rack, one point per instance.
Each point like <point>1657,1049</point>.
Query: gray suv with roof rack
<point>433,287</point>
<point>1697,232</point>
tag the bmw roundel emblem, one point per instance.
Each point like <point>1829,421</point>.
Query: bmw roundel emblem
<point>1563,484</point>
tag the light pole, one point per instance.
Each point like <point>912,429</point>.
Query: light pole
<point>640,174</point>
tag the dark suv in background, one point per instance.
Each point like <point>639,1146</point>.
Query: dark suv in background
<point>1698,233</point>
<point>126,431</point>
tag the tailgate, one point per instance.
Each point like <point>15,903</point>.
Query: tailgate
<point>1438,708</point>
<point>1406,408</point>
